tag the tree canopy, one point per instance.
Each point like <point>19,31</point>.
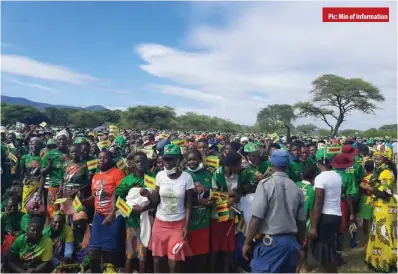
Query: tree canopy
<point>273,117</point>
<point>139,117</point>
<point>306,128</point>
<point>335,97</point>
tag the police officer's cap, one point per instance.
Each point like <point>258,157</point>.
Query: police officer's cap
<point>280,158</point>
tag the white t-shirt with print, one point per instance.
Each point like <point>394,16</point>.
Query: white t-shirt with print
<point>172,196</point>
<point>331,182</point>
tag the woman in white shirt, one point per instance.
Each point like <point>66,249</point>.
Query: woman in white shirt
<point>173,196</point>
<point>326,216</point>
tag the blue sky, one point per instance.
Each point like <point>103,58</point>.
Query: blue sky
<point>221,59</point>
<point>93,38</point>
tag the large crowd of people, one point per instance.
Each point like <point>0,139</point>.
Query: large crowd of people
<point>111,200</point>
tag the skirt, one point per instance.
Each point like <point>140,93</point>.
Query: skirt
<point>29,187</point>
<point>199,241</point>
<point>107,237</point>
<point>67,207</point>
<point>365,208</point>
<point>51,198</point>
<point>222,236</point>
<point>164,236</point>
<point>324,247</point>
<point>381,252</point>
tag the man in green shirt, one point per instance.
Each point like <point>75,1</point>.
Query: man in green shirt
<point>254,173</point>
<point>31,252</point>
<point>300,159</point>
<point>11,218</point>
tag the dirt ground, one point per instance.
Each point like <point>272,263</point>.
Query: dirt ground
<point>353,257</point>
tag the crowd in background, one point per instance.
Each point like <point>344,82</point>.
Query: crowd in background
<point>200,202</point>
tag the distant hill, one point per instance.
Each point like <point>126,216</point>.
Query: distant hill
<point>42,106</point>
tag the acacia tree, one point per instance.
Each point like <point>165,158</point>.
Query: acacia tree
<point>336,97</point>
<point>276,116</point>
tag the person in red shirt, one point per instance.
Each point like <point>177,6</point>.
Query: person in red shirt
<point>105,233</point>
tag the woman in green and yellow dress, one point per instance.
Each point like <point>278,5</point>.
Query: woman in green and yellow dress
<point>29,165</point>
<point>381,252</point>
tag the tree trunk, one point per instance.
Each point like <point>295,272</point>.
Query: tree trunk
<point>287,134</point>
<point>337,126</point>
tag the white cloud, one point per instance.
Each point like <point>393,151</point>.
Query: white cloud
<point>27,84</point>
<point>21,65</point>
<point>188,93</point>
<point>276,49</point>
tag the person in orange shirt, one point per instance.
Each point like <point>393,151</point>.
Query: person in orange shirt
<point>105,233</point>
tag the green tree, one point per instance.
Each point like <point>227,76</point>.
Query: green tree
<point>389,128</point>
<point>351,132</point>
<point>58,116</point>
<point>276,116</point>
<point>12,113</point>
<point>306,128</point>
<point>84,119</point>
<point>109,116</point>
<point>142,117</point>
<point>335,97</point>
<point>198,122</point>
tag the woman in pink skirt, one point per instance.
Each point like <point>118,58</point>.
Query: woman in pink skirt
<point>170,229</point>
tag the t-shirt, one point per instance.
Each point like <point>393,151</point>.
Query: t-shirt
<point>30,165</point>
<point>309,196</point>
<point>65,235</point>
<point>76,175</point>
<point>332,183</point>
<point>172,196</point>
<point>11,223</point>
<point>123,189</point>
<point>57,170</point>
<point>29,252</point>
<point>200,215</point>
<point>295,169</point>
<point>103,187</point>
<point>349,186</point>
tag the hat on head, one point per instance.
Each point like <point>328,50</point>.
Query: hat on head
<point>280,158</point>
<point>342,161</point>
<point>79,140</point>
<point>171,151</point>
<point>251,148</point>
<point>62,132</point>
<point>349,150</point>
<point>244,139</point>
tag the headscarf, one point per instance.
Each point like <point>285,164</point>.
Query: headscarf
<point>62,132</point>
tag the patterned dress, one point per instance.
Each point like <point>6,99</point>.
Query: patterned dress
<point>381,252</point>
